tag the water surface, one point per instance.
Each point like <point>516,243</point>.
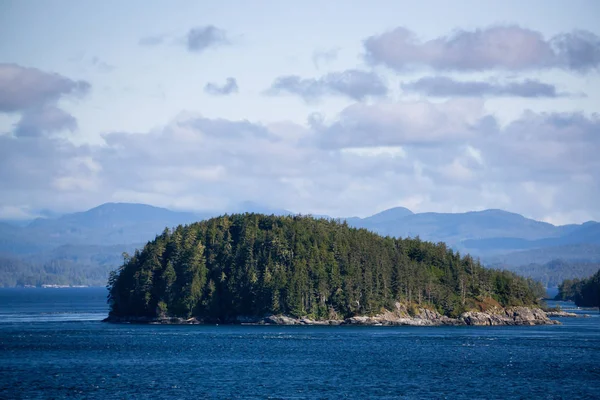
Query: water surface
<point>53,345</point>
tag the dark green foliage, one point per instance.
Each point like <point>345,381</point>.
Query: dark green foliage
<point>552,273</point>
<point>584,292</point>
<point>252,265</point>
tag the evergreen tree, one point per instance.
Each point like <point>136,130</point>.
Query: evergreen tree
<point>251,265</point>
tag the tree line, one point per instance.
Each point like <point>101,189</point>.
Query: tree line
<point>552,273</point>
<point>584,292</point>
<point>253,264</point>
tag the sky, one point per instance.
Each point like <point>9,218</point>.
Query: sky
<point>338,108</point>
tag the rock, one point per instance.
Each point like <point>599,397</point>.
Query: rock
<point>562,314</point>
<point>280,320</point>
<point>509,316</point>
<point>246,319</point>
<point>399,316</point>
<point>529,316</point>
<point>358,321</point>
<point>153,320</point>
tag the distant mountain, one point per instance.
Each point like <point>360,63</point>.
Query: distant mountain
<point>105,225</point>
<point>496,236</point>
<point>250,206</point>
<point>579,253</point>
<point>7,228</point>
<point>588,233</point>
<point>15,222</point>
<point>110,223</point>
<point>83,247</point>
<point>455,228</point>
<point>98,236</point>
<point>552,273</point>
<point>388,216</point>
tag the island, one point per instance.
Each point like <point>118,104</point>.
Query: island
<point>260,269</point>
<point>584,292</point>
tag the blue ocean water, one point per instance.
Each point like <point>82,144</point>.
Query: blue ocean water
<point>53,345</point>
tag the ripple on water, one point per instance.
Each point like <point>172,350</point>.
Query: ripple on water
<point>89,359</point>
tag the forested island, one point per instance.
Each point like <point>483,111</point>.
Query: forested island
<point>584,292</point>
<point>290,269</point>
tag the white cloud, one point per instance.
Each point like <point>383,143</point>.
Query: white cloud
<point>389,151</point>
<point>448,156</point>
<point>405,123</point>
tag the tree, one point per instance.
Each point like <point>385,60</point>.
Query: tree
<point>251,264</point>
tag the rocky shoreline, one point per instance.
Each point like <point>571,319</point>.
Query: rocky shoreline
<point>564,314</point>
<point>400,316</point>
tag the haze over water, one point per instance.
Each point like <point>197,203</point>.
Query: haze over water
<point>53,345</point>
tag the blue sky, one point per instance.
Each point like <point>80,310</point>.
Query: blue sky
<point>342,108</point>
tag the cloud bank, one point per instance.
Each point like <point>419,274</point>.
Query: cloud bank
<point>418,154</point>
<point>441,86</point>
<point>499,47</point>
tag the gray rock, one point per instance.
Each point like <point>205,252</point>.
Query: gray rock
<point>399,316</point>
<point>281,320</point>
<point>562,314</point>
<point>508,316</point>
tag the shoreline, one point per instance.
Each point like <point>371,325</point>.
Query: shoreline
<point>512,316</point>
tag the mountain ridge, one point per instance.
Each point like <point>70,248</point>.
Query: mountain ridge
<point>496,236</point>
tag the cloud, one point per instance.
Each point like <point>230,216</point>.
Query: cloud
<point>204,37</point>
<point>196,40</point>
<point>441,86</point>
<point>226,129</point>
<point>44,120</point>
<point>153,40</point>
<point>455,153</point>
<point>101,65</point>
<point>448,156</point>
<point>34,95</point>
<point>579,50</point>
<point>44,171</point>
<point>351,83</point>
<point>552,146</point>
<point>229,87</point>
<point>212,161</point>
<point>407,123</point>
<point>321,57</point>
<point>22,88</point>
<point>497,47</point>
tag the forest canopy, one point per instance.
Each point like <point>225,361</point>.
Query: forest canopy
<point>254,265</point>
<point>584,292</point>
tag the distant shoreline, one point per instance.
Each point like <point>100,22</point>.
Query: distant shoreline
<point>54,287</point>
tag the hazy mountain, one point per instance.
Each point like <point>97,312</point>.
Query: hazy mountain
<point>387,216</point>
<point>105,225</point>
<point>456,228</point>
<point>252,207</point>
<point>577,244</point>
<point>553,273</point>
<point>110,223</point>
<point>584,252</point>
<point>96,238</point>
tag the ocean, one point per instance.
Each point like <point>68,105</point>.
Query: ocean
<point>54,345</point>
